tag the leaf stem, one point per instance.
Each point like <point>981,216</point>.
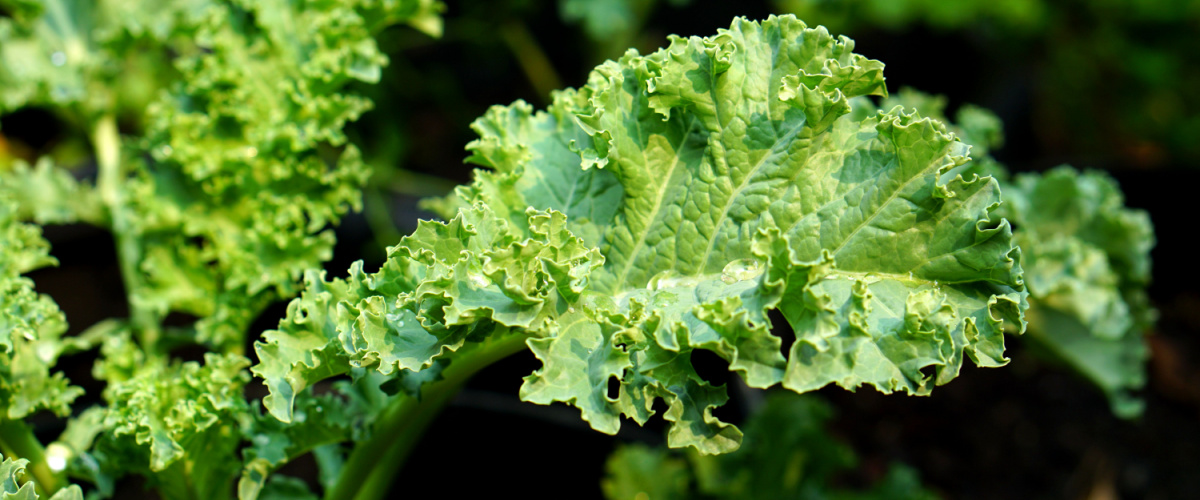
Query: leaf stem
<point>417,184</point>
<point>110,183</point>
<point>18,441</point>
<point>399,181</point>
<point>369,470</point>
<point>531,58</point>
<point>380,219</point>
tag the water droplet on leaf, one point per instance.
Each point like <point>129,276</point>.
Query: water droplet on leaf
<point>479,280</point>
<point>741,270</point>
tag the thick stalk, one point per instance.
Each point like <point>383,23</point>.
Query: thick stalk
<point>368,472</point>
<point>18,441</point>
<point>107,141</point>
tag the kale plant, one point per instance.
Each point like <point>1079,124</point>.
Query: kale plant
<point>668,206</point>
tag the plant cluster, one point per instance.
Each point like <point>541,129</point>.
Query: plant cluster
<point>674,203</point>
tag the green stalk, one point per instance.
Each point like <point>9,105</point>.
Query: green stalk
<point>531,58</point>
<point>378,218</point>
<point>369,470</point>
<point>417,184</point>
<point>377,207</point>
<point>18,441</point>
<point>396,180</point>
<point>110,181</point>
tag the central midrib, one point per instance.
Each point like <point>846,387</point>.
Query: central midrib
<point>703,262</point>
<point>866,220</point>
<point>867,277</point>
<point>658,205</point>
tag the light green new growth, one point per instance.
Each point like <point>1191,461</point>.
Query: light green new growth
<point>666,207</point>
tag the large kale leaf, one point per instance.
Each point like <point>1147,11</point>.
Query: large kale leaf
<point>666,207</point>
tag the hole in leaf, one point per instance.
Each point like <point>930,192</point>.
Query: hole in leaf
<point>614,387</point>
<point>659,407</point>
<point>710,367</point>
<point>782,329</point>
<point>729,412</point>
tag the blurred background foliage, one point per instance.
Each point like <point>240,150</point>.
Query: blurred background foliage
<point>1109,80</point>
<point>1099,83</point>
